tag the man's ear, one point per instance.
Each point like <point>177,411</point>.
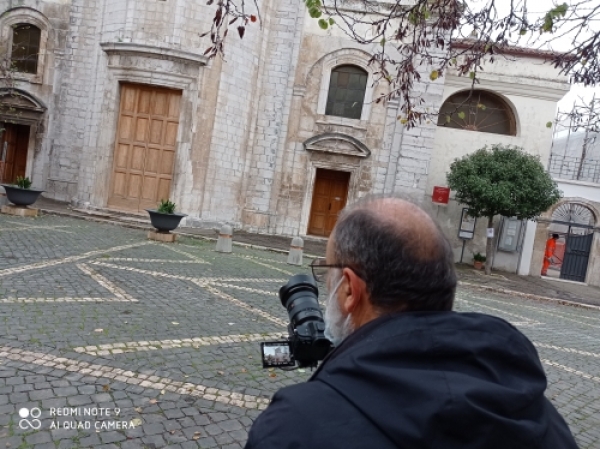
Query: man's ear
<point>352,291</point>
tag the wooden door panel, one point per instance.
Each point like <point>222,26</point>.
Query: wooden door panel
<point>156,131</point>
<point>120,184</point>
<point>128,99</point>
<point>144,101</point>
<point>321,204</point>
<point>122,156</point>
<point>145,148</point>
<point>14,142</point>
<point>164,188</point>
<point>171,134</point>
<point>152,161</point>
<point>149,189</point>
<point>137,158</point>
<point>21,151</point>
<point>141,130</point>
<point>160,104</point>
<point>135,184</point>
<point>126,128</point>
<point>174,102</point>
<point>167,163</point>
<point>318,222</point>
<point>329,198</point>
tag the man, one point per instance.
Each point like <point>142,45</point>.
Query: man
<point>549,253</point>
<point>408,372</point>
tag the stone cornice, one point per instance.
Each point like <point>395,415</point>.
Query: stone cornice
<point>154,52</point>
<point>522,87</point>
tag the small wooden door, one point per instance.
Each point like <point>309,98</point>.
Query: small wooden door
<point>329,198</point>
<point>14,141</point>
<point>145,147</point>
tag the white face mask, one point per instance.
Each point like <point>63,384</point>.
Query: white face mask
<point>337,328</point>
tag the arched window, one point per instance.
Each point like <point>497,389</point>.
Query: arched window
<point>25,47</point>
<point>347,88</point>
<point>478,110</point>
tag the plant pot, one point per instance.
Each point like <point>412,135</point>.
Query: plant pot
<point>164,222</point>
<point>21,197</point>
<point>478,265</point>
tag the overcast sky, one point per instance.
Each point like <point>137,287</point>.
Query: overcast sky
<point>539,9</point>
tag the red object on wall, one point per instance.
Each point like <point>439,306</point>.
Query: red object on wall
<point>441,195</point>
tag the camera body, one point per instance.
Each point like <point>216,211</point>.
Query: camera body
<point>306,344</point>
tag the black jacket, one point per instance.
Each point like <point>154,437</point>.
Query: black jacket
<point>420,380</point>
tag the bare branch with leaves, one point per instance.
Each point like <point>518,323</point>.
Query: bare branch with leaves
<point>421,38</point>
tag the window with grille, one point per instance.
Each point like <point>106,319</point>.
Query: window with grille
<point>346,95</point>
<point>25,48</point>
<point>478,111</point>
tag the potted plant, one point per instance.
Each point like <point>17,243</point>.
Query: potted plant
<point>21,193</point>
<point>478,260</point>
<point>164,218</point>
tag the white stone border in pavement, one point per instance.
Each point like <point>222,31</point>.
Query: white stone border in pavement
<point>108,285</point>
<point>196,342</point>
<point>571,350</point>
<point>571,370</point>
<point>132,259</point>
<point>506,291</point>
<point>51,263</point>
<point>203,283</point>
<point>130,377</point>
<point>553,314</point>
<point>65,299</point>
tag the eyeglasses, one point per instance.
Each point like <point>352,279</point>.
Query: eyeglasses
<point>320,269</point>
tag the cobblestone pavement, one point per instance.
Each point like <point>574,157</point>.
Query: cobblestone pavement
<point>94,318</point>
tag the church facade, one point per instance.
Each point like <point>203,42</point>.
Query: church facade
<point>117,108</point>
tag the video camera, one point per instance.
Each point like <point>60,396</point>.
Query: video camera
<point>306,344</point>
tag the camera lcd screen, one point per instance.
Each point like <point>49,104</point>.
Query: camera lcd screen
<point>277,354</point>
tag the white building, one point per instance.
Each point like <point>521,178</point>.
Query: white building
<point>118,109</point>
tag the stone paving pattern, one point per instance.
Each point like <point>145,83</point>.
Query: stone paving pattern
<point>94,315</point>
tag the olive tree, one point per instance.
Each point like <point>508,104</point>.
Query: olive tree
<point>502,180</point>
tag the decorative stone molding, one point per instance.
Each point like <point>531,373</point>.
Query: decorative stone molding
<point>31,16</point>
<point>151,51</point>
<point>20,107</point>
<point>344,56</point>
<point>338,144</point>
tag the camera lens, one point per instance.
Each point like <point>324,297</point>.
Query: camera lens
<point>300,297</point>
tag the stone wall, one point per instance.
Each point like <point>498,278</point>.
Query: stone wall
<point>54,20</point>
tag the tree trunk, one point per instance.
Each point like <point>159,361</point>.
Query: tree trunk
<point>489,248</point>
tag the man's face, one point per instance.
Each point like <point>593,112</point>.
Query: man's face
<point>337,324</point>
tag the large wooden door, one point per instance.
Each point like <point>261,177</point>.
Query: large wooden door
<point>14,140</point>
<point>329,198</point>
<point>145,147</point>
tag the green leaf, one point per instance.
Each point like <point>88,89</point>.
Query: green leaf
<point>323,24</point>
<point>461,115</point>
<point>434,75</point>
<point>331,21</point>
<point>472,75</point>
<point>549,125</point>
<point>382,42</point>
